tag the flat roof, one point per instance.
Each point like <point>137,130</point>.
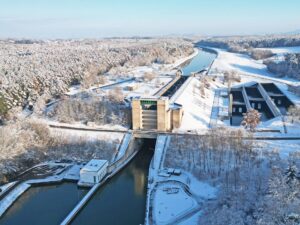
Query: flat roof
<point>94,165</point>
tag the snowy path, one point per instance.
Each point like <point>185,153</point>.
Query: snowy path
<point>160,147</point>
<point>215,110</point>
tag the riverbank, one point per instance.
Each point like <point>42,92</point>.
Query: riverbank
<point>173,196</point>
<point>56,173</point>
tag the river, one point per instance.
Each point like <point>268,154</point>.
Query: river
<point>200,62</point>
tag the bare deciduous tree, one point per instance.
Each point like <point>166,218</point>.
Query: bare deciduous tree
<point>149,76</point>
<point>116,94</point>
<point>251,119</point>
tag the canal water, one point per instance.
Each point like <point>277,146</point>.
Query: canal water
<point>122,200</point>
<point>200,62</point>
<point>43,205</point>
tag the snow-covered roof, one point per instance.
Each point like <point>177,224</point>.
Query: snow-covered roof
<point>94,165</point>
<point>175,106</point>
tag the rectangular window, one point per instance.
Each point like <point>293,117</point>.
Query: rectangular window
<point>240,109</point>
<point>279,102</point>
<point>259,105</point>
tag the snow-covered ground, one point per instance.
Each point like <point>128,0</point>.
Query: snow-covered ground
<point>283,147</point>
<point>173,198</point>
<point>146,88</point>
<point>254,70</point>
<point>171,201</point>
<point>124,145</point>
<point>197,109</point>
<point>245,65</point>
<point>87,135</point>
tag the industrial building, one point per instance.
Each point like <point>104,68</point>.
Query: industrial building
<point>155,113</point>
<point>93,172</point>
<point>266,98</point>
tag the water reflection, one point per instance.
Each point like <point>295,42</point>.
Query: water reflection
<point>46,205</point>
<point>122,200</point>
<point>201,61</point>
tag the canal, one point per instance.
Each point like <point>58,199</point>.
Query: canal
<point>200,62</point>
<point>46,205</point>
<point>122,200</point>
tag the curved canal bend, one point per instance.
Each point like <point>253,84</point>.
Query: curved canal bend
<point>121,200</point>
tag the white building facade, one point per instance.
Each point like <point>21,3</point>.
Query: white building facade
<point>93,172</point>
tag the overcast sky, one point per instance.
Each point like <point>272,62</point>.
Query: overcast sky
<point>100,18</point>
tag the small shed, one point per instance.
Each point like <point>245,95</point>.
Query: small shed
<point>94,171</point>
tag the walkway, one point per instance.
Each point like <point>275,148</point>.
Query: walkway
<point>215,110</point>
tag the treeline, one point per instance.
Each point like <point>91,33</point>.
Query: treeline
<point>99,110</point>
<point>255,185</point>
<point>268,41</point>
<point>290,66</point>
<point>247,44</point>
<point>210,156</point>
<point>26,143</point>
<point>29,70</point>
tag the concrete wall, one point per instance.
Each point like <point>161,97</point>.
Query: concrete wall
<point>136,114</point>
<point>176,118</point>
<point>163,114</point>
<point>167,86</point>
<point>163,119</point>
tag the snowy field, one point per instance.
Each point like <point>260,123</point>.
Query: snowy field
<point>171,201</point>
<point>174,199</point>
<point>142,88</point>
<point>197,109</point>
<point>245,65</point>
<point>75,135</point>
<point>283,147</point>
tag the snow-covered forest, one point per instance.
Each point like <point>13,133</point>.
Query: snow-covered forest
<point>289,66</point>
<point>251,45</point>
<point>234,43</point>
<point>30,70</point>
<point>256,185</point>
<point>99,110</point>
<point>26,143</point>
